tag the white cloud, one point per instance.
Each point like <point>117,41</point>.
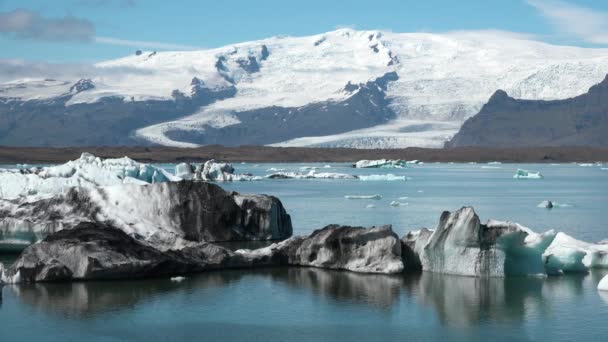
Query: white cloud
<point>143,44</point>
<point>583,23</point>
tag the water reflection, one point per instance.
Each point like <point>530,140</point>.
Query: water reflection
<point>465,301</point>
<point>455,301</point>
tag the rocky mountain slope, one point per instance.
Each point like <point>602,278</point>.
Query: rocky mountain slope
<point>508,122</point>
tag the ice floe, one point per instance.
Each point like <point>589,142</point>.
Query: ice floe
<point>381,163</point>
<point>398,204</point>
<point>363,197</point>
<point>525,174</point>
<point>86,171</point>
<point>312,174</point>
<point>387,177</point>
<point>552,204</point>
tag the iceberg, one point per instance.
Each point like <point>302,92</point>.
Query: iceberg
<point>461,245</point>
<point>398,204</point>
<point>387,177</point>
<point>525,174</point>
<point>167,215</point>
<point>177,279</point>
<point>412,245</point>
<point>603,285</point>
<point>312,174</point>
<point>567,254</point>
<point>552,204</point>
<point>363,197</point>
<point>86,171</point>
<point>211,171</point>
<point>370,206</point>
<point>381,163</point>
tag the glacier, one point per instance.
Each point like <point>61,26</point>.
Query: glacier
<point>443,78</point>
<point>86,171</point>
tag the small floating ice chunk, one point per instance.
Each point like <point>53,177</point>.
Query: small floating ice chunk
<point>327,166</point>
<point>274,169</point>
<point>491,167</point>
<point>494,163</point>
<point>387,177</point>
<point>586,164</point>
<point>603,285</point>
<point>310,175</point>
<point>363,197</point>
<point>552,204</point>
<point>420,191</point>
<point>398,204</point>
<point>370,206</point>
<point>525,174</point>
<point>403,198</point>
<point>381,163</point>
<point>178,279</point>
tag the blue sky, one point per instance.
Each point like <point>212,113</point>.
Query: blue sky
<point>92,30</point>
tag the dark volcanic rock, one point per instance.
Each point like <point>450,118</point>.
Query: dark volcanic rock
<point>507,122</point>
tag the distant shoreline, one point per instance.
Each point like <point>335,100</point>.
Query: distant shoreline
<point>259,154</point>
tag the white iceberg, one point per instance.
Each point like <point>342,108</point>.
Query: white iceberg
<point>387,177</point>
<point>312,174</point>
<point>381,163</point>
<point>398,204</point>
<point>494,163</point>
<point>461,245</point>
<point>567,254</point>
<point>363,197</point>
<point>212,171</point>
<point>274,169</point>
<point>177,279</point>
<point>87,171</point>
<point>603,285</point>
<point>525,174</point>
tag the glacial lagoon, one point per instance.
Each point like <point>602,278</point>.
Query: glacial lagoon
<point>296,304</point>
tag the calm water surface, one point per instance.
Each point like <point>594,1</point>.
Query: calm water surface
<point>302,304</point>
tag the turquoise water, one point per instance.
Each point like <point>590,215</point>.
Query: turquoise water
<point>302,304</point>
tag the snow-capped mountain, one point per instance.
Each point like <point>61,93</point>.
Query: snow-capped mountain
<point>342,88</point>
